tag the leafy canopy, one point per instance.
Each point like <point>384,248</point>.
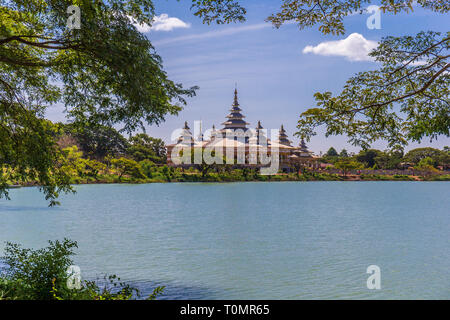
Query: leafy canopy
<point>330,14</point>
<point>143,147</point>
<point>104,73</point>
<point>406,99</point>
<point>97,141</point>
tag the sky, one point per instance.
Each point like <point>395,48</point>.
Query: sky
<point>276,71</point>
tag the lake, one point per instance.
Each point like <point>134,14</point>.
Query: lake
<point>255,240</point>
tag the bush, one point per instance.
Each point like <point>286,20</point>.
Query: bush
<point>42,275</point>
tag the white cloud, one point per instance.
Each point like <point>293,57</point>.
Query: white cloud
<point>166,23</point>
<point>161,23</point>
<point>355,48</point>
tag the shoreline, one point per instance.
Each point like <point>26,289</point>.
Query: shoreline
<point>279,178</point>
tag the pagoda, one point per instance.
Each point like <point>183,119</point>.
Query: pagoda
<point>239,140</point>
<point>186,137</point>
<point>261,138</point>
<point>303,147</point>
<point>235,118</point>
<point>282,137</point>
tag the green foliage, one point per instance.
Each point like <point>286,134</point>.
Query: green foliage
<point>444,177</point>
<point>78,167</point>
<point>98,141</point>
<point>389,159</point>
<point>145,147</point>
<point>42,275</point>
<point>343,154</point>
<point>380,177</point>
<point>367,157</point>
<point>416,155</point>
<point>329,14</point>
<point>332,152</point>
<point>403,101</point>
<point>29,273</point>
<point>128,167</point>
<point>28,152</point>
<point>219,11</point>
<point>148,167</point>
<point>347,165</point>
<point>426,164</point>
<point>104,73</point>
<point>93,168</point>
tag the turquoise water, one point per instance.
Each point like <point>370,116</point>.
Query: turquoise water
<point>287,240</point>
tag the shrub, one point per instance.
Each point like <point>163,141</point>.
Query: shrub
<point>42,275</point>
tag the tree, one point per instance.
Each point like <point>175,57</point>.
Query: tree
<point>105,73</point>
<point>148,167</point>
<point>343,154</point>
<point>347,165</point>
<point>145,147</point>
<point>389,159</point>
<point>219,11</point>
<point>426,164</point>
<point>405,100</point>
<point>332,152</point>
<point>98,141</point>
<point>443,159</point>
<point>368,157</point>
<point>128,167</point>
<point>72,161</point>
<point>416,155</point>
<point>93,168</point>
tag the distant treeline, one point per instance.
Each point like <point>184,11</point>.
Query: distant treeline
<point>100,154</point>
<point>421,159</point>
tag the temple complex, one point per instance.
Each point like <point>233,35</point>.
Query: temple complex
<point>237,139</point>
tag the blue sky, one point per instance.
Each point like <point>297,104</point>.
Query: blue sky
<point>275,79</point>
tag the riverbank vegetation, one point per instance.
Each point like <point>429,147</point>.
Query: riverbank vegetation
<point>44,274</point>
<point>99,154</point>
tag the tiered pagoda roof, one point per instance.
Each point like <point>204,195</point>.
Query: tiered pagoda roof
<point>302,146</point>
<point>235,121</point>
<point>186,135</point>
<point>235,118</point>
<point>282,137</point>
<point>261,137</point>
